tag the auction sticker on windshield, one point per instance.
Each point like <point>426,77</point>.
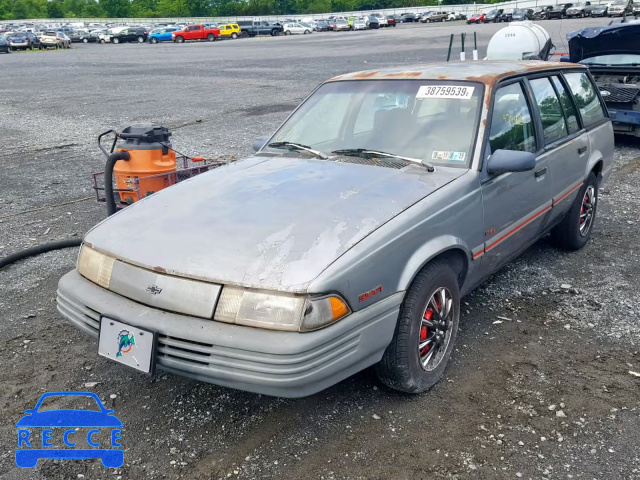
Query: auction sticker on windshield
<point>445,91</point>
<point>453,156</point>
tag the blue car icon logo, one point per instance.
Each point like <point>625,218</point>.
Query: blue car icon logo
<point>69,433</point>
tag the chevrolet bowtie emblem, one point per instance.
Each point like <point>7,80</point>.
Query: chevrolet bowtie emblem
<point>154,289</point>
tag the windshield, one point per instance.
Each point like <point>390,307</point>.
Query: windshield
<point>620,4</point>
<point>616,59</point>
<point>433,121</point>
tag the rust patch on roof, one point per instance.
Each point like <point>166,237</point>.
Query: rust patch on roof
<point>365,75</point>
<point>159,270</point>
<point>402,74</point>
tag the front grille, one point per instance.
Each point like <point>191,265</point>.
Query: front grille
<point>376,162</point>
<point>619,93</point>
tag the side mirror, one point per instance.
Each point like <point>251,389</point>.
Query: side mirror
<point>502,161</point>
<point>259,142</point>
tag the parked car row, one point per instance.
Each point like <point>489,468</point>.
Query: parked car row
<point>562,10</point>
<point>10,41</point>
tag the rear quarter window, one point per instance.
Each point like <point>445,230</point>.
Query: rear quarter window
<point>586,98</point>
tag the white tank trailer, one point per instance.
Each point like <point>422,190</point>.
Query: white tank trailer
<point>520,41</point>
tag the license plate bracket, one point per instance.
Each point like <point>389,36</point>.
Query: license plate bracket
<point>128,345</point>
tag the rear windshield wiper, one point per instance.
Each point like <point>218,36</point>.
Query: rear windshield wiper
<point>365,153</point>
<point>297,146</point>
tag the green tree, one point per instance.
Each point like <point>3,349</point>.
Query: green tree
<point>55,9</point>
<point>144,8</point>
<point>115,8</point>
<point>92,9</point>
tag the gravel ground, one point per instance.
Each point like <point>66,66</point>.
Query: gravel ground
<point>539,385</point>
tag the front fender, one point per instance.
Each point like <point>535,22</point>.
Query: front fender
<point>428,252</point>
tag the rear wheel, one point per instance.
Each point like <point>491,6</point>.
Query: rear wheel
<point>140,39</point>
<point>85,40</point>
<point>234,35</point>
<point>575,229</point>
<point>425,334</point>
<point>210,37</point>
<point>102,40</point>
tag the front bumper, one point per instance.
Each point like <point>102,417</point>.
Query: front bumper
<point>286,364</point>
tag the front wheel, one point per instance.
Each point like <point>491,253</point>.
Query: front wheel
<point>85,40</point>
<point>287,32</point>
<point>425,333</point>
<point>154,40</point>
<point>575,229</point>
<point>234,35</point>
<point>179,39</point>
<point>116,40</point>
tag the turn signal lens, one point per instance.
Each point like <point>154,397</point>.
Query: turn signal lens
<point>322,312</point>
<point>95,266</point>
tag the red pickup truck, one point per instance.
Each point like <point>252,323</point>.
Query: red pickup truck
<point>196,32</point>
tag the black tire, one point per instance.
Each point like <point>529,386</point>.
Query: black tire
<point>400,367</point>
<point>154,40</point>
<point>115,40</point>
<point>210,37</point>
<point>567,234</point>
<point>140,39</point>
<point>287,32</point>
<point>85,40</point>
<point>179,39</point>
<point>102,40</point>
<point>234,35</point>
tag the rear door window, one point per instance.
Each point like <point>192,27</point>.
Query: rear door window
<point>511,124</point>
<point>586,98</point>
<point>569,109</point>
<point>553,123</point>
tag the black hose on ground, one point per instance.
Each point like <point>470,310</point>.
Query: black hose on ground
<point>108,179</point>
<point>76,242</point>
<point>45,247</point>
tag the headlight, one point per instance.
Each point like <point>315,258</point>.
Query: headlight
<point>95,266</point>
<point>278,311</point>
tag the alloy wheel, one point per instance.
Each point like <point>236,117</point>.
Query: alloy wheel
<point>587,209</point>
<point>435,329</point>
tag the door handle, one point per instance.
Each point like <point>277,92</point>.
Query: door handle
<point>581,150</point>
<point>540,172</point>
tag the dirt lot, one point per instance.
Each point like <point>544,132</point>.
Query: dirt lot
<point>539,385</point>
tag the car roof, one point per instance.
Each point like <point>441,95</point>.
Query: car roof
<point>487,72</point>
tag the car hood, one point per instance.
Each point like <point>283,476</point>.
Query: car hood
<point>621,38</point>
<point>265,222</point>
<point>69,418</point>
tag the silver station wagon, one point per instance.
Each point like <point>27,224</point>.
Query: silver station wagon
<point>350,236</point>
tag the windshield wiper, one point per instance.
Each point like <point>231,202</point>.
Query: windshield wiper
<point>365,153</point>
<point>297,146</point>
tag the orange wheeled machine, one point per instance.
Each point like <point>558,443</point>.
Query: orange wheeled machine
<point>143,165</point>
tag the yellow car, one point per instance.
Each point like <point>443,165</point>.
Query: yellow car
<point>229,30</point>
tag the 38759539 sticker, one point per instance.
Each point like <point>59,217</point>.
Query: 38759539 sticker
<point>445,91</point>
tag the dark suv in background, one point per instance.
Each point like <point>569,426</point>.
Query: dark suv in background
<point>559,11</point>
<point>493,16</point>
<point>131,34</point>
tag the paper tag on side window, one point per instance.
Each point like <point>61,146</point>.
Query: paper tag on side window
<point>445,91</point>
